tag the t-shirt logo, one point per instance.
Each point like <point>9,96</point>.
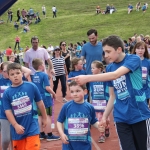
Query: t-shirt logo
<point>121,87</point>
<point>2,89</point>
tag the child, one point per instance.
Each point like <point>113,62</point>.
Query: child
<point>131,113</point>
<point>144,8</point>
<point>21,110</point>
<point>98,97</point>
<point>77,117</point>
<point>40,79</point>
<point>140,49</point>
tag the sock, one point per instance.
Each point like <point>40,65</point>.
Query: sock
<point>49,134</point>
<point>42,133</point>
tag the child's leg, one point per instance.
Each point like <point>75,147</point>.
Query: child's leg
<point>5,133</point>
<point>48,128</point>
<point>19,144</point>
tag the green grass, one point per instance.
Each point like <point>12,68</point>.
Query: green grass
<point>75,18</point>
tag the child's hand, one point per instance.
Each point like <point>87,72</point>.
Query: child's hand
<point>44,122</point>
<point>54,96</point>
<point>64,139</point>
<point>19,129</point>
<point>104,122</point>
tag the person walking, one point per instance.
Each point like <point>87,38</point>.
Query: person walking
<point>54,11</point>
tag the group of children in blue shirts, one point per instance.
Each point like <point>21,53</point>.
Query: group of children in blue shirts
<point>125,76</point>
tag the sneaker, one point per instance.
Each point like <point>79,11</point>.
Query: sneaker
<point>107,133</point>
<point>101,139</point>
<point>53,138</point>
<point>64,100</point>
<point>42,137</point>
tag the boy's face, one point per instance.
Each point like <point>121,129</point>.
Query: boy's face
<point>111,54</point>
<point>4,72</point>
<point>77,93</point>
<point>15,76</point>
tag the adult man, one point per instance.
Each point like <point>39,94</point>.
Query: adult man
<point>54,11</point>
<point>92,50</point>
<point>8,52</point>
<point>37,52</point>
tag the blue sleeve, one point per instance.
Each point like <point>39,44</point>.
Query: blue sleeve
<point>6,101</point>
<point>62,115</point>
<point>94,119</point>
<point>37,95</point>
<point>83,53</point>
<point>46,80</point>
<point>70,76</point>
<point>108,83</point>
<point>130,62</point>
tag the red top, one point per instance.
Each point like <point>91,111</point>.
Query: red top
<point>17,39</point>
<point>8,51</point>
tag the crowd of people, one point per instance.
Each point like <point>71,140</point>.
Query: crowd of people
<point>102,75</point>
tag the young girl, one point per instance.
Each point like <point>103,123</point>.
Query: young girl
<point>76,70</point>
<point>140,49</point>
<point>99,97</point>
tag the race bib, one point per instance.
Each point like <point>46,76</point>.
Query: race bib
<point>21,106</point>
<point>2,89</point>
<point>99,104</point>
<point>78,126</point>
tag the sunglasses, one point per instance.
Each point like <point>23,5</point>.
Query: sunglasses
<point>57,49</point>
<point>63,44</point>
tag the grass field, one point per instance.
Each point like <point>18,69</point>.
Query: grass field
<point>75,17</point>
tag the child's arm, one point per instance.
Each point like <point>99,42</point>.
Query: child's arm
<point>82,79</point>
<point>27,73</point>
<point>63,136</point>
<point>109,107</point>
<point>41,107</point>
<point>48,88</point>
<point>19,129</point>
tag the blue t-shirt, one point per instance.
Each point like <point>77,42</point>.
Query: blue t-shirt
<point>77,119</point>
<point>4,84</point>
<point>130,106</point>
<point>144,7</point>
<point>21,100</point>
<point>98,95</point>
<point>92,53</point>
<point>41,80</point>
<point>145,75</point>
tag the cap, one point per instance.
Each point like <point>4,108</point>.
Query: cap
<point>57,47</point>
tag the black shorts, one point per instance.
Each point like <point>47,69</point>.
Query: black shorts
<point>134,136</point>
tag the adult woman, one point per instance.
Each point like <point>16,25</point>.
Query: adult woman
<point>66,54</point>
<point>60,71</point>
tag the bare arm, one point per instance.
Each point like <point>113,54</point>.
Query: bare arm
<point>82,57</point>
<point>41,107</point>
<point>50,68</point>
<point>64,138</point>
<point>65,69</point>
<point>82,79</point>
<point>48,88</point>
<point>26,65</point>
<point>27,72</point>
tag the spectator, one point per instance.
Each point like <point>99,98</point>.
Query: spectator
<point>146,5</point>
<point>17,42</point>
<point>9,15</point>
<point>37,52</point>
<point>107,9</point>
<point>112,9</point>
<point>138,6</point>
<point>16,25</point>
<point>60,71</point>
<point>54,11</point>
<point>18,14</point>
<point>23,13</point>
<point>125,46</point>
<point>144,8</point>
<point>50,49</point>
<point>66,55</point>
<point>138,39</point>
<point>130,8</point>
<point>131,45</point>
<point>37,20</point>
<point>72,51</point>
<point>26,28</point>
<point>44,11</point>
<point>8,52</point>
<point>98,10</point>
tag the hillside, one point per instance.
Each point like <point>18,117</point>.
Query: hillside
<point>75,17</point>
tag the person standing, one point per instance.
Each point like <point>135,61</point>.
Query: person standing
<point>18,15</point>
<point>17,42</point>
<point>54,11</point>
<point>92,50</point>
<point>8,52</point>
<point>37,52</point>
<point>44,11</point>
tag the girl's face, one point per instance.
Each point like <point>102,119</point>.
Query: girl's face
<point>57,52</point>
<point>4,72</point>
<point>95,70</point>
<point>63,45</point>
<point>79,66</point>
<point>140,51</point>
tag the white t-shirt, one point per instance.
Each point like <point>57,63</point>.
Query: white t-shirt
<point>54,9</point>
<point>50,48</point>
<point>43,8</point>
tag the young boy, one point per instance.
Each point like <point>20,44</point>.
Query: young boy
<point>131,112</point>
<point>40,79</point>
<point>77,116</point>
<point>19,103</point>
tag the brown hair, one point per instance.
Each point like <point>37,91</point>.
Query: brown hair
<point>4,64</point>
<point>98,64</point>
<point>13,66</point>
<point>74,62</point>
<point>74,83</point>
<point>137,45</point>
<point>36,63</point>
